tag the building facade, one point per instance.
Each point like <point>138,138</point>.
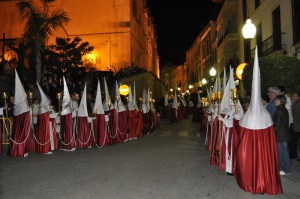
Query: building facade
<point>121,31</point>
<point>221,43</point>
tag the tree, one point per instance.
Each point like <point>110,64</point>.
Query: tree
<point>39,26</point>
<point>275,70</point>
<point>67,54</point>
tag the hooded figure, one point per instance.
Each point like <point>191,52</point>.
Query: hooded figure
<point>43,137</point>
<point>100,134</point>
<point>83,128</point>
<point>134,98</point>
<point>215,131</point>
<point>137,118</point>
<point>121,133</point>
<point>229,117</point>
<point>146,118</point>
<point>107,101</point>
<point>66,121</point>
<point>167,107</point>
<point>198,117</point>
<point>257,167</point>
<point>174,110</point>
<point>21,134</point>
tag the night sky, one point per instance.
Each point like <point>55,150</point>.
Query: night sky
<point>177,24</point>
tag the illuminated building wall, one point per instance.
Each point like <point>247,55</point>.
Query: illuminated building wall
<point>121,31</point>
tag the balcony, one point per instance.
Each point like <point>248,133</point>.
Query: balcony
<point>271,44</point>
<point>230,33</point>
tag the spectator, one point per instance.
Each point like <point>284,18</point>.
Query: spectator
<point>282,132</point>
<point>296,121</point>
<point>272,93</point>
<point>265,100</point>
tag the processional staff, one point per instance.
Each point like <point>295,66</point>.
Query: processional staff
<point>213,99</point>
<point>219,98</point>
<point>4,97</point>
<point>205,105</point>
<point>235,97</point>
<point>59,98</point>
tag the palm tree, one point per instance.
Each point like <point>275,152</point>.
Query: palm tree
<point>39,26</point>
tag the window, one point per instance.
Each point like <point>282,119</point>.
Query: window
<point>296,20</point>
<point>257,3</point>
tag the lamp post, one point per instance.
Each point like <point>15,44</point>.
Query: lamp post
<point>203,81</point>
<point>212,73</point>
<point>248,31</point>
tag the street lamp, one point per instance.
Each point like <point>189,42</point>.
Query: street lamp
<point>204,81</point>
<point>249,30</point>
<point>213,73</point>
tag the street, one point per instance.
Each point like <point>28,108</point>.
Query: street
<point>170,163</point>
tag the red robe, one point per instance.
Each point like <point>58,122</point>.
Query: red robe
<point>214,148</point>
<point>257,168</point>
<point>113,132</point>
<point>174,116</point>
<point>146,123</point>
<point>83,133</point>
<point>66,129</point>
<point>53,124</point>
<point>42,134</point>
<point>21,136</point>
<point>1,137</point>
<point>100,133</point>
<point>123,127</point>
<point>167,112</point>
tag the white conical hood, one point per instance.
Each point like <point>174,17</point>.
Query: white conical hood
<point>144,107</point>
<point>217,85</point>
<point>199,104</point>
<point>224,79</point>
<point>148,100</point>
<point>166,99</point>
<point>107,100</point>
<point>45,102</point>
<point>21,104</point>
<point>119,105</point>
<point>256,117</point>
<point>66,108</point>
<point>208,93</point>
<point>134,98</point>
<point>130,101</point>
<point>82,110</point>
<point>175,102</point>
<point>225,104</point>
<point>98,101</point>
<point>144,97</point>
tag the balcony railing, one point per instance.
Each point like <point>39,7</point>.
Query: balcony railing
<point>227,31</point>
<point>270,45</point>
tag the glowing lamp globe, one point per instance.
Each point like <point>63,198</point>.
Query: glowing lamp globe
<point>249,30</point>
<point>239,70</point>
<point>124,89</point>
<point>212,72</point>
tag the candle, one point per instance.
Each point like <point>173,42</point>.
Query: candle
<point>213,97</point>
<point>4,95</point>
<point>76,96</point>
<point>219,95</point>
<point>234,94</point>
<point>30,95</point>
<point>58,96</point>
